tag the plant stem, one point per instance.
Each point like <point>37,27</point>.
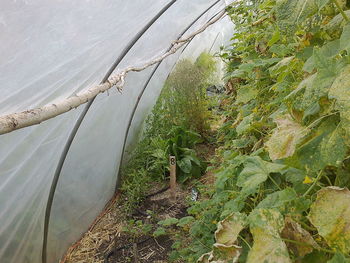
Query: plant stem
<point>313,185</point>
<point>314,123</point>
<point>309,245</point>
<point>346,18</point>
<point>245,241</point>
<point>274,182</point>
<point>328,180</point>
<point>306,226</point>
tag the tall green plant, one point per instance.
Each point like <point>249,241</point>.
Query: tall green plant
<point>183,99</point>
<point>285,172</point>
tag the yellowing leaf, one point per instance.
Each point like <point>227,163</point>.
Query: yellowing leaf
<point>266,226</point>
<point>206,258</point>
<point>245,94</point>
<point>229,228</point>
<point>307,180</point>
<point>340,90</point>
<point>225,249</point>
<point>226,254</point>
<point>330,214</point>
<point>285,137</point>
<point>293,231</point>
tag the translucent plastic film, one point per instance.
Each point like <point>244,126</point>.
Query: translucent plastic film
<point>49,50</point>
<point>28,158</point>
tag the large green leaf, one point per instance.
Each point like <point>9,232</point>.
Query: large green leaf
<point>282,49</point>
<point>340,90</point>
<point>335,26</point>
<point>322,56</point>
<point>245,94</point>
<point>255,172</point>
<point>345,38</point>
<point>266,226</point>
<point>321,3</point>
<point>285,137</point>
<point>296,177</point>
<point>245,124</point>
<point>278,199</point>
<point>330,214</point>
<point>280,66</point>
<point>326,148</point>
<point>339,258</point>
<point>331,49</point>
<point>185,165</point>
<point>317,85</point>
<point>290,13</point>
<point>304,84</point>
<point>274,38</point>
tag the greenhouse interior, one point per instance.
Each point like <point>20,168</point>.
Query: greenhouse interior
<point>209,131</point>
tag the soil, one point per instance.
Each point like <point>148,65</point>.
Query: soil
<point>147,248</point>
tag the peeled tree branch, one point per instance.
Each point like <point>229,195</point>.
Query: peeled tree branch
<point>19,120</point>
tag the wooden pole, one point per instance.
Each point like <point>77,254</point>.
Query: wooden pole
<point>136,253</point>
<point>18,120</point>
<point>172,161</point>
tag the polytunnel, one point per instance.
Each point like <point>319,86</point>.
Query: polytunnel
<point>57,176</point>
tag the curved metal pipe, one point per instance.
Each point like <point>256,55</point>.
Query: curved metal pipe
<point>80,120</point>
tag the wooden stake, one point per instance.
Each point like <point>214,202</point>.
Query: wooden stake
<point>135,252</point>
<point>172,161</point>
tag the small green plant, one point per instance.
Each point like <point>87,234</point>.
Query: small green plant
<point>135,186</point>
<point>136,229</point>
<point>160,231</point>
<point>181,143</point>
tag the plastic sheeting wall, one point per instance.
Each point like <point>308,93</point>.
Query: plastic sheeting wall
<point>51,50</point>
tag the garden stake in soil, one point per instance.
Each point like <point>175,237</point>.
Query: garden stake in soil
<point>135,252</point>
<point>172,160</point>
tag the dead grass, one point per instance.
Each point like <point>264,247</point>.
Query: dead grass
<point>99,237</point>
